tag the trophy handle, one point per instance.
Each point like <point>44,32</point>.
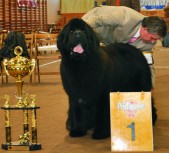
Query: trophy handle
<point>5,61</point>
<point>18,50</point>
<point>32,65</point>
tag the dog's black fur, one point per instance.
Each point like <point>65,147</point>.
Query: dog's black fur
<point>90,76</point>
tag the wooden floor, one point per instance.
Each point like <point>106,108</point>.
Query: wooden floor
<point>53,103</point>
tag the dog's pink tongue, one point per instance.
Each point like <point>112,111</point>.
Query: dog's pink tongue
<point>78,49</point>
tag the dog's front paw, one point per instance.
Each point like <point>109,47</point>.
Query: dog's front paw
<point>77,133</point>
<point>100,135</point>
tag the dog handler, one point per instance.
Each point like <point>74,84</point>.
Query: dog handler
<point>120,24</point>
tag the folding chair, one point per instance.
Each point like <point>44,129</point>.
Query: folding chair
<point>29,39</point>
<point>2,38</point>
<point>45,42</point>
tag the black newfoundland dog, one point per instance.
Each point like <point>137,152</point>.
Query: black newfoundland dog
<point>90,72</point>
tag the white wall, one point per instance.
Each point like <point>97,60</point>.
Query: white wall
<point>52,11</point>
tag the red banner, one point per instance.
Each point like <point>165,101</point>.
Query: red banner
<point>27,3</point>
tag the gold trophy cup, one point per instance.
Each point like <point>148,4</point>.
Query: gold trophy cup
<point>20,67</point>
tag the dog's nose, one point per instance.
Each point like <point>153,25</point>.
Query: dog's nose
<point>77,33</point>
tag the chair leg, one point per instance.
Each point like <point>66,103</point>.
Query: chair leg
<point>35,72</point>
<point>6,78</point>
<point>38,70</point>
<point>30,78</point>
<point>2,79</point>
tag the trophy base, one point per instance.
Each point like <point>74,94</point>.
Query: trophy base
<point>18,147</point>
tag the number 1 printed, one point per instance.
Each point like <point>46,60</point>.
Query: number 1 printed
<point>132,126</point>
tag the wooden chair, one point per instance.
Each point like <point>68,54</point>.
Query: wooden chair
<point>45,42</point>
<point>3,74</point>
<point>1,65</point>
<point>29,39</point>
<point>3,35</point>
<point>1,40</point>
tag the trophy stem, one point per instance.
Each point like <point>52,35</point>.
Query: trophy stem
<point>34,127</point>
<point>25,121</point>
<point>7,126</point>
<point>19,84</point>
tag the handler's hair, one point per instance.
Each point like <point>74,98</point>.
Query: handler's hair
<point>155,25</point>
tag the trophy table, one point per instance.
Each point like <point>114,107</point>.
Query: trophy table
<point>20,67</point>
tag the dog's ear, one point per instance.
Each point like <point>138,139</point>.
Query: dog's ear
<point>92,36</point>
<point>61,41</point>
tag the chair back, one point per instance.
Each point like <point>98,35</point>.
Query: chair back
<point>45,42</point>
<point>45,38</point>
<point>29,39</point>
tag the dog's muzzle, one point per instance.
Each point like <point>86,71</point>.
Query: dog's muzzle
<point>77,33</point>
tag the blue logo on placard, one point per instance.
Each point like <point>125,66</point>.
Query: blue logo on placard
<point>153,4</point>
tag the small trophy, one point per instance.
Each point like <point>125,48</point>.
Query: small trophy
<point>20,67</point>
